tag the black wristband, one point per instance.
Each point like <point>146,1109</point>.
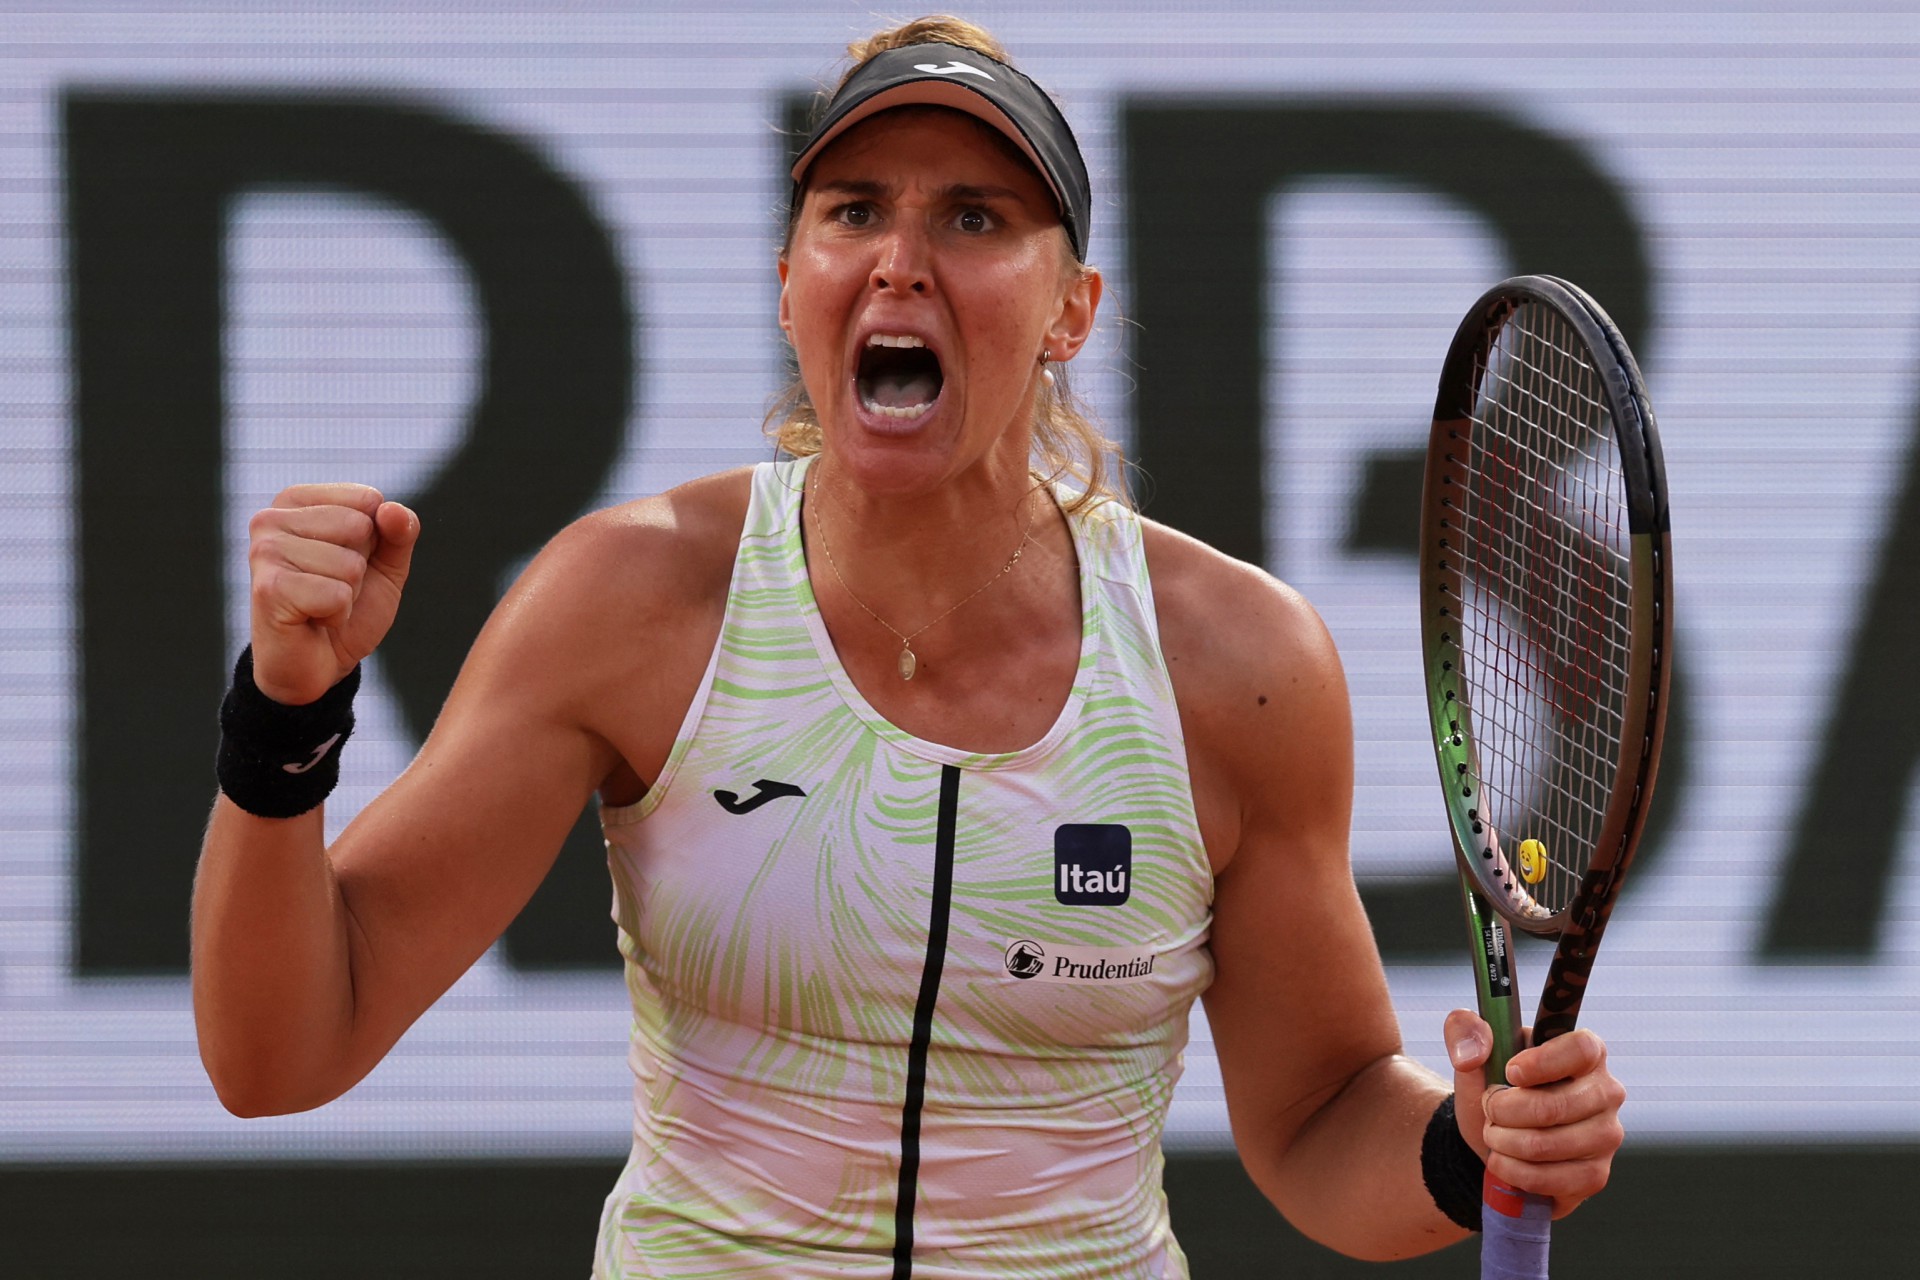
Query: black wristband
<point>278,761</point>
<point>1453,1171</point>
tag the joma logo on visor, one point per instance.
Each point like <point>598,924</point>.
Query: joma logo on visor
<point>955,68</point>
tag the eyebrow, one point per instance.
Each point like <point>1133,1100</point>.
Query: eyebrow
<point>869,189</point>
<point>849,187</point>
<point>964,191</point>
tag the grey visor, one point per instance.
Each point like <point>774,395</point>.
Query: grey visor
<point>945,75</point>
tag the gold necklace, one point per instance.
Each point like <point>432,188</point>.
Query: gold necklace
<point>908,662</point>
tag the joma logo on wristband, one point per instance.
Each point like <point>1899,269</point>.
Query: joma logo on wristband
<point>318,752</point>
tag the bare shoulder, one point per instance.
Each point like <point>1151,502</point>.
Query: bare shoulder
<point>628,599</point>
<point>658,554</point>
<point>1234,635</point>
<point>1261,695</point>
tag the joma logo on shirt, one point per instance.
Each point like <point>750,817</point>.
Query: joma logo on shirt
<point>1092,864</point>
<point>767,790</point>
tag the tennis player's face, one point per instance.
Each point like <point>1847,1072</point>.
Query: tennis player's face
<point>926,272</point>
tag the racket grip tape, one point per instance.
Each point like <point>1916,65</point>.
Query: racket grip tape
<point>1515,1228</point>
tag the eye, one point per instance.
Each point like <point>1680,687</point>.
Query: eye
<point>857,213</point>
<point>974,221</point>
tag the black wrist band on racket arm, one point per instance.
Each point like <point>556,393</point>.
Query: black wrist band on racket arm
<point>278,761</point>
<point>1452,1170</point>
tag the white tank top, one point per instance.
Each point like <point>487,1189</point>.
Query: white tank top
<point>900,1009</point>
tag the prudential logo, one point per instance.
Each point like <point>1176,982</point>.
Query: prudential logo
<point>1026,958</point>
<point>1080,966</point>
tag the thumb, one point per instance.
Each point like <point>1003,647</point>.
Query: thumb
<point>399,530</point>
<point>1469,1043</point>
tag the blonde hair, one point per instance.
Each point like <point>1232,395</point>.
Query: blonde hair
<point>1067,444</point>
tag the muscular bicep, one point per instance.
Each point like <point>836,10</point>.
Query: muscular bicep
<point>1299,1005</point>
<point>436,867</point>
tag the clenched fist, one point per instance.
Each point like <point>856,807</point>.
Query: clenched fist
<point>328,562</point>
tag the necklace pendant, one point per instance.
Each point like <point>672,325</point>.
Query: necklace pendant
<point>908,664</point>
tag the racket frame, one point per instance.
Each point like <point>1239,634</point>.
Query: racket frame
<point>1491,890</point>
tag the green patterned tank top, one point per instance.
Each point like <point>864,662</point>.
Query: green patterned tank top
<point>902,1010</point>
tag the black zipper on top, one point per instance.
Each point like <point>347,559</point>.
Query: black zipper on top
<point>923,1023</point>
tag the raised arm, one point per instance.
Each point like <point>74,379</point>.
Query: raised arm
<point>1327,1112</point>
<point>308,962</point>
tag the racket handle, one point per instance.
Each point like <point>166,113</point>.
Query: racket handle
<point>1515,1227</point>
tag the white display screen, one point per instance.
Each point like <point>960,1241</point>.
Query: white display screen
<point>1762,167</point>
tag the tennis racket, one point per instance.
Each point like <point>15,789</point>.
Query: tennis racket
<point>1546,616</point>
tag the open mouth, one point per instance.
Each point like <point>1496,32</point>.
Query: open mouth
<point>898,376</point>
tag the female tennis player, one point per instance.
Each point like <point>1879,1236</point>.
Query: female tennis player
<point>936,784</point>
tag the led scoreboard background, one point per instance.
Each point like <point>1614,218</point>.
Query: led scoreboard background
<point>513,265</point>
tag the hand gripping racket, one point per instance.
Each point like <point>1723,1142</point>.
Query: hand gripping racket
<point>1546,611</point>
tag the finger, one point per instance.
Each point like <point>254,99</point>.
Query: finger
<point>1568,1182</point>
<point>1560,1103</point>
<point>1579,1052</point>
<point>342,526</point>
<point>322,559</point>
<point>1469,1043</point>
<point>399,530</point>
<point>1469,1040</point>
<point>1589,1139</point>
<point>360,497</point>
<point>286,597</point>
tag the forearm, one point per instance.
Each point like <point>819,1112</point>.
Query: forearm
<point>272,972</point>
<point>1350,1176</point>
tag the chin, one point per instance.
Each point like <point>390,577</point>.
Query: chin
<point>891,464</point>
<point>885,454</point>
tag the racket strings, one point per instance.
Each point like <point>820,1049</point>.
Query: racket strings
<point>1544,620</point>
<point>1567,620</point>
<point>1540,394</point>
<point>1546,400</point>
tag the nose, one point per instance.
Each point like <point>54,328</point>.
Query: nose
<point>902,264</point>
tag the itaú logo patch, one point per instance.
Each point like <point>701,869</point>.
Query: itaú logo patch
<point>1092,864</point>
<point>1079,966</point>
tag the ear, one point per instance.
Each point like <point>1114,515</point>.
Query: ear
<point>1073,322</point>
<point>786,316</point>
